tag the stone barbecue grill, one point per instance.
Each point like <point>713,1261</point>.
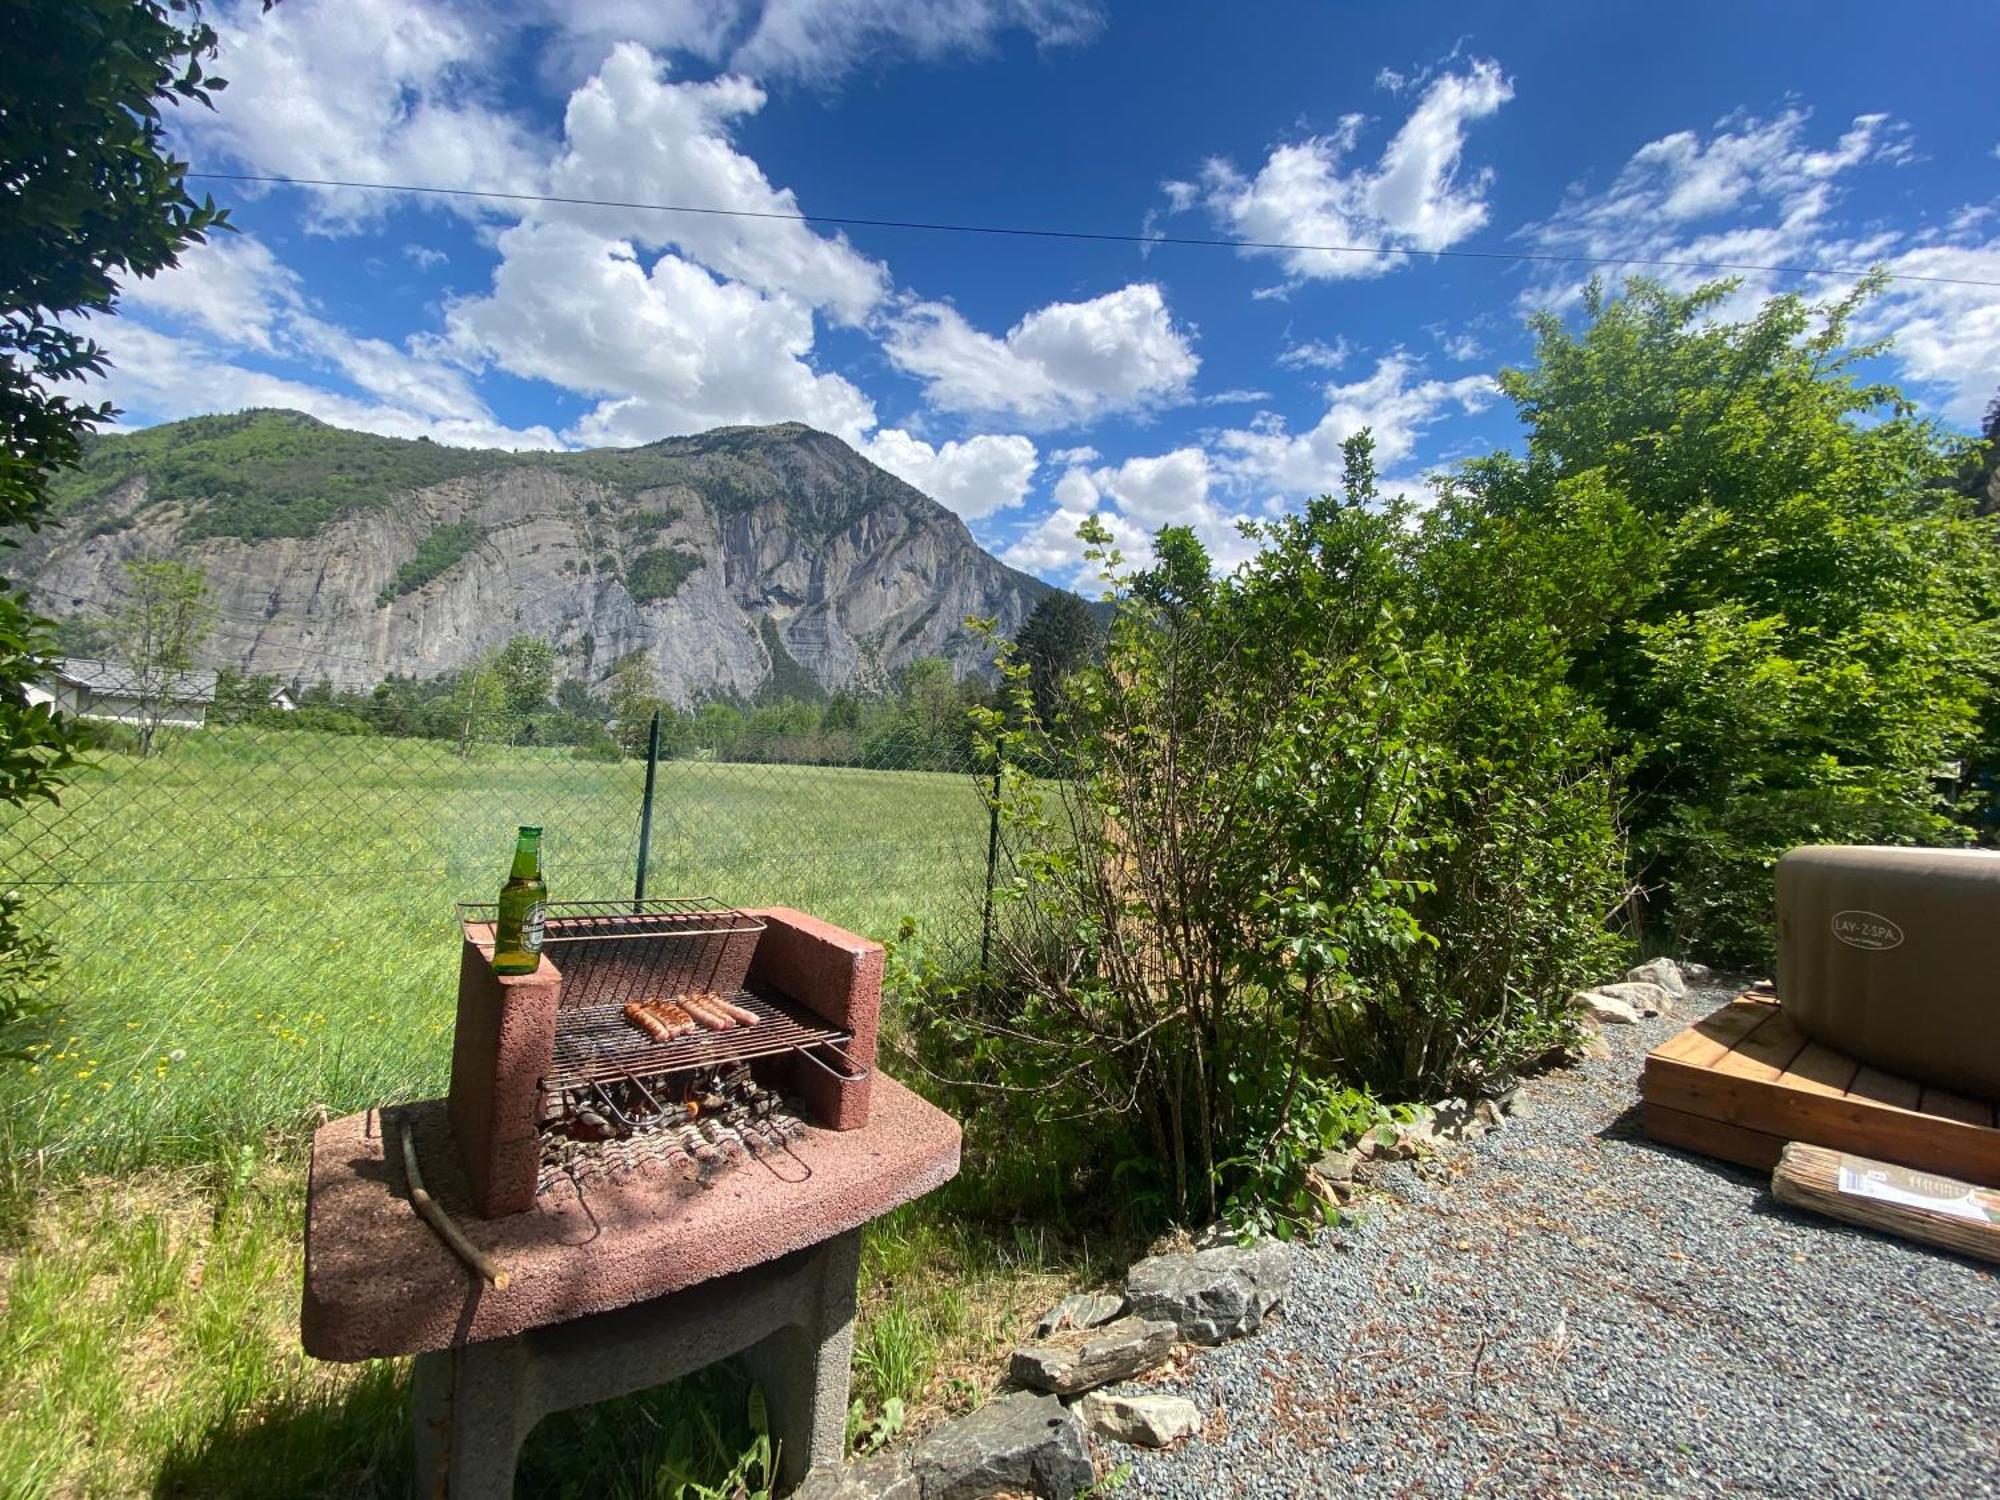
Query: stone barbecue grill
<point>655,1205</point>
<point>541,1083</point>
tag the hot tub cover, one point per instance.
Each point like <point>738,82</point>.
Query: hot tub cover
<point>1893,956</point>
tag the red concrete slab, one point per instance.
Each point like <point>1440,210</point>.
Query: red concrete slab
<point>379,1282</point>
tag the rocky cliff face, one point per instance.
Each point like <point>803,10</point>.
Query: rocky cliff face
<point>717,555</point>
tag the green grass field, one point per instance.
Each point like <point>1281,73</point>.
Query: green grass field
<point>256,927</point>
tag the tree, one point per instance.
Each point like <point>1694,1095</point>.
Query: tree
<point>527,668</point>
<point>478,703</point>
<point>634,695</point>
<point>1059,636</point>
<point>574,697</point>
<point>92,197</point>
<point>163,623</point>
<point>1755,567</point>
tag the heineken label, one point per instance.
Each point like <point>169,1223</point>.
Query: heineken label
<point>531,929</point>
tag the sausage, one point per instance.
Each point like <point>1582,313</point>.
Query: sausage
<point>735,1012</point>
<point>679,1022</point>
<point>644,1019</point>
<point>702,1008</point>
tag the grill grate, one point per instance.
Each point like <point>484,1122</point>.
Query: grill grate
<point>615,952</point>
<point>596,1044</point>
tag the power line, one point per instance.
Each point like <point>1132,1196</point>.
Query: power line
<point>1097,236</point>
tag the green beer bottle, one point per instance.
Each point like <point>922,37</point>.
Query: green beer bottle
<point>517,937</point>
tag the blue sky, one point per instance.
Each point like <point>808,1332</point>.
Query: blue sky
<point>1029,383</point>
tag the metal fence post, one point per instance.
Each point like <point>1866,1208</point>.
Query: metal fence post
<point>992,862</point>
<point>646,811</point>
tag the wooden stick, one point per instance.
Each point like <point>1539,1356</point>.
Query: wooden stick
<point>1811,1177</point>
<point>439,1220</point>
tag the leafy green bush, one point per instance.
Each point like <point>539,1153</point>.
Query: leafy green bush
<point>659,573</point>
<point>1315,842</point>
<point>435,554</point>
<point>1760,576</point>
<point>313,719</point>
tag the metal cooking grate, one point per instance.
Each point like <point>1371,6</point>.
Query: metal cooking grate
<point>613,952</point>
<point>596,1044</point>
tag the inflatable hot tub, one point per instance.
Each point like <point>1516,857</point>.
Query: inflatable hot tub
<point>1893,956</point>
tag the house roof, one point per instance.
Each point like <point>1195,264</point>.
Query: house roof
<point>116,678</point>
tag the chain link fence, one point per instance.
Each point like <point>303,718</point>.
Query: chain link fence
<point>254,921</point>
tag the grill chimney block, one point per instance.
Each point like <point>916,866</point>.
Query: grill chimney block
<point>500,1052</point>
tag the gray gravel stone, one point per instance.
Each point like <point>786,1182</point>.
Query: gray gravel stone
<point>1623,1320</point>
<point>1082,1361</point>
<point>1022,1442</point>
<point>1212,1295</point>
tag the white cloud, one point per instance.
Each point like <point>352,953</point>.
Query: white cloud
<point>632,135</point>
<point>1754,191</point>
<point>425,257</point>
<point>820,40</point>
<point>1314,354</point>
<point>368,90</point>
<point>1072,457</point>
<point>1462,347</point>
<point>233,297</point>
<point>1946,337</point>
<point>1393,402</point>
<point>1760,191</point>
<point>668,347</point>
<point>232,288</point>
<point>1236,396</point>
<point>162,377</point>
<point>1413,198</point>
<point>974,478</point>
<point>817,41</point>
<point>1133,500</point>
<point>1063,363</point>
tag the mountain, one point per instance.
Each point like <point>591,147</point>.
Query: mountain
<point>734,557</point>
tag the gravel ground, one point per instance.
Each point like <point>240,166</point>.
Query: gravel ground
<point>1565,1308</point>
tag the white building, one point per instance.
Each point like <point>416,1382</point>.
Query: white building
<point>112,690</point>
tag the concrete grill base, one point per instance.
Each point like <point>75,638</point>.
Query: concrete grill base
<point>792,1320</point>
<point>378,1282</point>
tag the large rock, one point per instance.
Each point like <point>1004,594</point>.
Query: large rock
<point>1212,1295</point>
<point>1021,1442</point>
<point>1083,1360</point>
<point>1599,1006</point>
<point>1647,998</point>
<point>885,1477</point>
<point>1661,971</point>
<point>1079,1310</point>
<point>1147,1421</point>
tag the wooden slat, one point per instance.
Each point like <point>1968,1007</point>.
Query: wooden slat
<point>1873,1085</point>
<point>1673,1127</point>
<point>1820,1070</point>
<point>1765,1053</point>
<point>1955,1107</point>
<point>1715,1034</point>
<point>1847,1123</point>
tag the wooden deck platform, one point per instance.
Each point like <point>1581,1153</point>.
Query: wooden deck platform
<point>1746,1080</point>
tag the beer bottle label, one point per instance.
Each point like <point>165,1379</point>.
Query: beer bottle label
<point>531,929</point>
